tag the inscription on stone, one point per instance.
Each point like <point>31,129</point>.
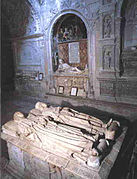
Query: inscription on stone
<point>74,56</point>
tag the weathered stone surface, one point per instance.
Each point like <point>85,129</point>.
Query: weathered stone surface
<point>34,167</point>
<point>16,156</point>
<point>53,135</point>
<point>32,161</point>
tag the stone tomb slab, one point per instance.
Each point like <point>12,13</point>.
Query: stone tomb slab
<point>28,161</point>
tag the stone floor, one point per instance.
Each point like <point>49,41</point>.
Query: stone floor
<point>126,163</point>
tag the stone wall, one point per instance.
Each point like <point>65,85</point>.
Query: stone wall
<point>112,77</point>
<point>7,62</point>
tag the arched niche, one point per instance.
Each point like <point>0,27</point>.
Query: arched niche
<point>69,43</point>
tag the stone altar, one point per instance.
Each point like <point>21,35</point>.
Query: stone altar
<point>63,137</point>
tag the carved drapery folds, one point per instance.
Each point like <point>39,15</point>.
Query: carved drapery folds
<point>107,26</point>
<point>64,132</point>
<point>107,58</point>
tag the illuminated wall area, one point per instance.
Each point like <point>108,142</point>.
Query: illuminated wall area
<point>77,52</point>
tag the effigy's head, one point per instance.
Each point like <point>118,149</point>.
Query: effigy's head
<point>18,116</point>
<point>61,61</point>
<point>40,106</point>
<point>112,129</point>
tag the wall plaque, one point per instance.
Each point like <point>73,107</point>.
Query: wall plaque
<point>61,89</point>
<point>74,91</point>
<point>74,56</point>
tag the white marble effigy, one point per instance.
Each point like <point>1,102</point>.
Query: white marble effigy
<point>62,137</point>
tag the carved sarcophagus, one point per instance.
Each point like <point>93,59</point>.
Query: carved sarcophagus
<point>63,133</point>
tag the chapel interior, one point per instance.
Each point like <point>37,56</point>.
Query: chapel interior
<point>80,55</point>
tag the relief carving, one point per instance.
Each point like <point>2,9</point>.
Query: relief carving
<point>107,26</point>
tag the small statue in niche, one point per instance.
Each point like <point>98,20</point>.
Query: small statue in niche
<point>107,59</point>
<point>76,32</point>
<point>70,34</point>
<point>55,61</point>
<point>107,27</point>
<point>66,34</point>
<point>64,67</point>
<point>56,58</point>
<point>60,35</point>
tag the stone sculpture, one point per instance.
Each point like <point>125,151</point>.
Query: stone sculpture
<point>64,67</point>
<point>63,131</point>
<point>107,26</point>
<point>107,59</point>
<point>66,34</point>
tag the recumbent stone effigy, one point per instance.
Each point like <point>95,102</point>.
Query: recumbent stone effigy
<point>64,132</point>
